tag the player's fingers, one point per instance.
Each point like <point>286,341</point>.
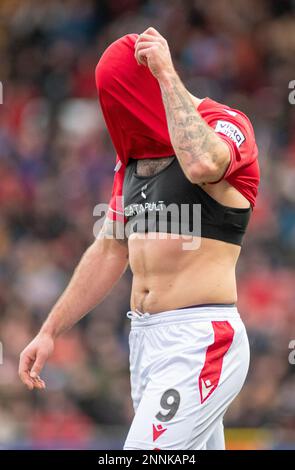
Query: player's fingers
<point>142,55</point>
<point>152,31</point>
<point>146,51</point>
<point>142,46</point>
<point>146,44</point>
<point>149,37</point>
<point>26,380</point>
<point>140,60</point>
<point>25,363</point>
<point>38,365</point>
<point>39,383</point>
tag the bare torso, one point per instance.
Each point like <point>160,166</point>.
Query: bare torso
<point>166,276</point>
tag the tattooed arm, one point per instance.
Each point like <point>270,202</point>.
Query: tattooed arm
<point>202,154</point>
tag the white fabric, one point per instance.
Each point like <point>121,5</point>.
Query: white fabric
<point>168,351</point>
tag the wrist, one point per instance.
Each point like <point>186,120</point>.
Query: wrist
<point>167,77</point>
<point>48,329</point>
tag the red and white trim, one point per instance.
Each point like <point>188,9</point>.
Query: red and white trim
<point>211,371</point>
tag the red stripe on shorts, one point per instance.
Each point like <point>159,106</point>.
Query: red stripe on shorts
<point>210,374</point>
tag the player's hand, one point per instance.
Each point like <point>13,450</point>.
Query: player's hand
<point>33,359</point>
<point>152,50</point>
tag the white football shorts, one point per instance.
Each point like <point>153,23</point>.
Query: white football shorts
<point>186,367</point>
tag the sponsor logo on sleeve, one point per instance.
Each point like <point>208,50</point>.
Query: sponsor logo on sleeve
<point>231,130</point>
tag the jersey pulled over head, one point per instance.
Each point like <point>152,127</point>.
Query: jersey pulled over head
<point>131,103</point>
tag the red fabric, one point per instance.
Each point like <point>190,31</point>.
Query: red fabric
<point>211,372</point>
<point>131,103</point>
<point>243,170</point>
<point>134,113</point>
<point>116,211</point>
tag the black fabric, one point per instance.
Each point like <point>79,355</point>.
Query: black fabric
<point>149,203</point>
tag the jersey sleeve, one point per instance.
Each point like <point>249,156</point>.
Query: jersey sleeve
<point>116,210</point>
<point>236,131</point>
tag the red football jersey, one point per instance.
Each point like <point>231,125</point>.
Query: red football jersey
<point>133,109</point>
<point>236,130</point>
<point>131,102</point>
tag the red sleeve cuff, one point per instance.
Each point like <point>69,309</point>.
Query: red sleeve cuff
<point>232,155</point>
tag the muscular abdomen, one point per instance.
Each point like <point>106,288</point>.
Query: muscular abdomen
<point>168,275</point>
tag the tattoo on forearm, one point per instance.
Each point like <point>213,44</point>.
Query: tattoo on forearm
<point>192,139</point>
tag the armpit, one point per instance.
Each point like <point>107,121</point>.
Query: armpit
<point>152,166</point>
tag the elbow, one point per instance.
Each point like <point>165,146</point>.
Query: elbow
<point>210,169</point>
<point>202,173</point>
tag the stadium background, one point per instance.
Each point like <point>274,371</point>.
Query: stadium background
<point>56,164</point>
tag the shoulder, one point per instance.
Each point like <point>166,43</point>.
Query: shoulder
<point>228,121</point>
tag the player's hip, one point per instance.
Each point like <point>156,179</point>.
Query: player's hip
<point>186,368</point>
<point>194,342</point>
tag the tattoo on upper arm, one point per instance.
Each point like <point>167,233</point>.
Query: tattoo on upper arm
<point>191,137</point>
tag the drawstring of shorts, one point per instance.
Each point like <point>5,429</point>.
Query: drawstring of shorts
<point>137,314</point>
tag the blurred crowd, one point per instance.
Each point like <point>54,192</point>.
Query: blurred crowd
<point>56,164</point>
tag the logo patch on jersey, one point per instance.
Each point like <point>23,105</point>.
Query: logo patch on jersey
<point>136,209</point>
<point>158,431</point>
<point>206,388</point>
<point>231,130</point>
<point>143,191</point>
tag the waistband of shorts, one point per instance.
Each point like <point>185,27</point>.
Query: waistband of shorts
<point>197,313</point>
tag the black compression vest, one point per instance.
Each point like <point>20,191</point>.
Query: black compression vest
<point>168,202</point>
